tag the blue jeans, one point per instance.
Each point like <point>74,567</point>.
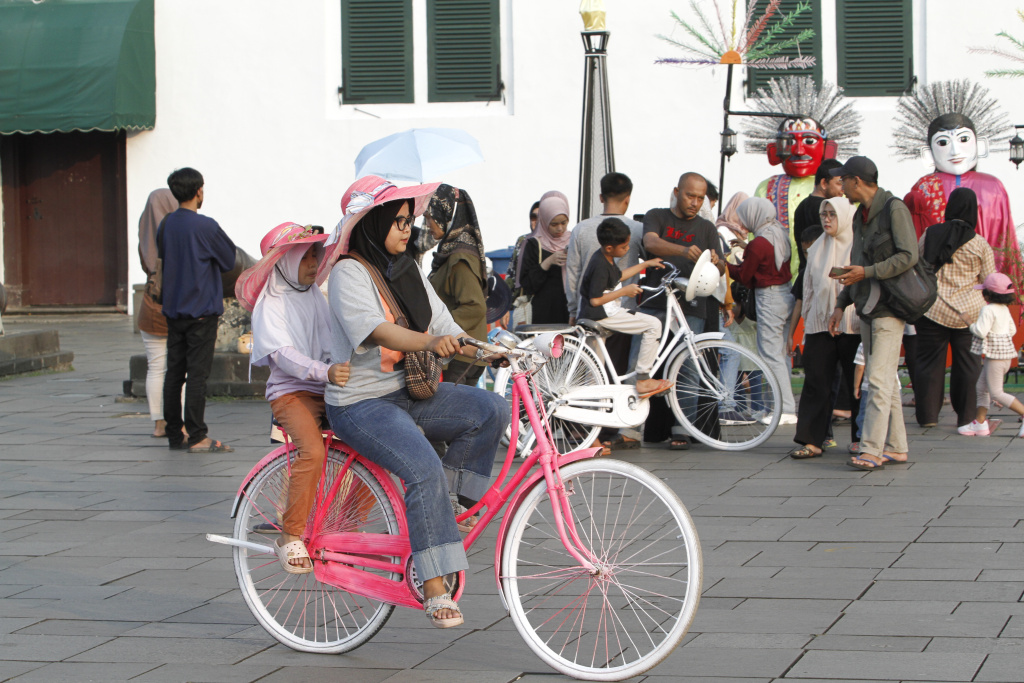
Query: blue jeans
<point>774,308</point>
<point>386,430</point>
<point>730,366</point>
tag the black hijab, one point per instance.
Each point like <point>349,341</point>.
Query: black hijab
<point>399,270</point>
<point>943,239</point>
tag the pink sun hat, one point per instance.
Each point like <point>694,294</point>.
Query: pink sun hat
<point>364,194</point>
<point>997,283</point>
<point>273,246</point>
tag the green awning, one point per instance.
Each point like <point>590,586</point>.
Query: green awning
<point>70,65</point>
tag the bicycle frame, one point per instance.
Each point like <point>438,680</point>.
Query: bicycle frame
<point>339,558</point>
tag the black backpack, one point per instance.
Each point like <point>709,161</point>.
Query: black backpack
<point>912,293</point>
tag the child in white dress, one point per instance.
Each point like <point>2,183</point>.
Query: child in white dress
<point>993,339</point>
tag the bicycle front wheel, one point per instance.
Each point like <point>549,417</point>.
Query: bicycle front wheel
<point>725,396</point>
<point>578,366</point>
<point>296,609</point>
<point>630,615</point>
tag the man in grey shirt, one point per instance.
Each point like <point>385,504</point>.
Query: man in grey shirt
<point>616,189</point>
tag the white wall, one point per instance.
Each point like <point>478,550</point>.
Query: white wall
<point>246,93</point>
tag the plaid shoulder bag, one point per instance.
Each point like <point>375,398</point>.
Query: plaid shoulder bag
<point>422,368</point>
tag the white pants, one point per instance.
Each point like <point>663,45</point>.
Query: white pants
<point>156,367</point>
<point>642,324</point>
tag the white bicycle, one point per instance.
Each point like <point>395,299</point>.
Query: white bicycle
<point>725,395</point>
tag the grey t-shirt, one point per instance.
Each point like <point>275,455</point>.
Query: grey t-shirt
<point>356,311</point>
<point>582,245</point>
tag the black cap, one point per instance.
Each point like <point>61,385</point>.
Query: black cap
<point>862,167</point>
<point>499,298</point>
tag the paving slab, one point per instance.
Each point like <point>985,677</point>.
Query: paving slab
<point>813,571</point>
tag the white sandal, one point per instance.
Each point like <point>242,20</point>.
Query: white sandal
<point>439,602</point>
<point>293,551</point>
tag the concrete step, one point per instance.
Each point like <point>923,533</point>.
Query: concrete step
<point>32,351</point>
<point>229,376</point>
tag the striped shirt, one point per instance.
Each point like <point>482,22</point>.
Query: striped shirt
<point>971,264</point>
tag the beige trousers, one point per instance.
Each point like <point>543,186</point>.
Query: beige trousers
<point>642,324</point>
<point>884,428</point>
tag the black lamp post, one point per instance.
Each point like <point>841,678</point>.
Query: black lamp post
<point>1017,148</point>
<point>728,142</point>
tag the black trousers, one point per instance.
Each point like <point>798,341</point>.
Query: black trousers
<point>455,370</point>
<point>822,353</point>
<point>930,374</point>
<point>190,343</point>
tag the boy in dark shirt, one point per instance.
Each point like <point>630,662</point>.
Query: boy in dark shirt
<point>600,291</point>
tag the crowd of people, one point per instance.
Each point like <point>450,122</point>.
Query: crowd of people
<point>358,359</point>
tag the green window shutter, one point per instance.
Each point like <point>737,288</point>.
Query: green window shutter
<point>463,51</point>
<point>376,51</point>
<point>875,42</point>
<point>808,19</point>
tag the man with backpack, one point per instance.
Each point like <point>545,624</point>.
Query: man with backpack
<point>884,249</point>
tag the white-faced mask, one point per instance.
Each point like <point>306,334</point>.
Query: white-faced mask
<point>955,151</point>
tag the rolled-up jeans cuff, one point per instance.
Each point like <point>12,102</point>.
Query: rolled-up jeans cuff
<point>466,483</point>
<point>440,560</point>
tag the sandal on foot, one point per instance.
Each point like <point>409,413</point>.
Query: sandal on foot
<point>295,550</point>
<point>888,456</point>
<point>804,453</point>
<point>862,463</point>
<point>679,445</point>
<point>466,525</point>
<point>439,602</point>
<point>215,447</point>
<point>663,388</point>
<point>620,443</point>
<point>854,447</point>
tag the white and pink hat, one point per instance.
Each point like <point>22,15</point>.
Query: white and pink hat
<point>364,194</point>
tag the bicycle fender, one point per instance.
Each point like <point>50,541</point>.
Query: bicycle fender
<point>513,507</point>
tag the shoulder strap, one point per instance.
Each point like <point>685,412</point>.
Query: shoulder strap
<point>382,288</point>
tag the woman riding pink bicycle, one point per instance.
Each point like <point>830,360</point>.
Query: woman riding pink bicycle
<point>374,413</point>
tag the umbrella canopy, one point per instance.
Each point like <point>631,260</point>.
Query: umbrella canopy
<point>418,154</point>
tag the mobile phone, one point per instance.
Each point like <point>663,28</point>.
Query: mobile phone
<point>836,272</point>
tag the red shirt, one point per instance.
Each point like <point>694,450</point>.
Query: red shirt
<point>758,267</point>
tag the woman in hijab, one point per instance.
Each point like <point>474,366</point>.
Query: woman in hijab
<point>730,228</point>
<point>459,271</point>
<point>962,259</point>
<point>822,351</point>
<point>540,266</point>
<point>374,413</point>
<point>765,269</point>
<point>291,334</point>
<point>152,323</point>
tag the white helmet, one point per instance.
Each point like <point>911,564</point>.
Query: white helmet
<point>703,281</point>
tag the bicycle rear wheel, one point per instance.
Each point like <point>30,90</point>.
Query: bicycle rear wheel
<point>630,616</point>
<point>296,609</point>
<point>578,366</point>
<point>726,409</point>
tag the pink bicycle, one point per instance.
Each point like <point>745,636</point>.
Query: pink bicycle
<point>596,561</point>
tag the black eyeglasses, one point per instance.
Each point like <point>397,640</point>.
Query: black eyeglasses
<point>403,222</point>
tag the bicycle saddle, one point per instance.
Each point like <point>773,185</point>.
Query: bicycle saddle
<point>592,327</point>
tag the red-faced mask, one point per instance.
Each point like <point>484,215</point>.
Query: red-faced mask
<point>800,148</point>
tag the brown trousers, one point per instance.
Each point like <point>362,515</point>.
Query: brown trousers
<point>300,415</point>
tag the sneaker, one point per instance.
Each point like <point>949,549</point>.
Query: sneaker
<point>974,429</point>
<point>1020,434</point>
<point>787,419</point>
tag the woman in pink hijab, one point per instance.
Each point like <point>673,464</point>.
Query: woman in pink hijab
<point>540,265</point>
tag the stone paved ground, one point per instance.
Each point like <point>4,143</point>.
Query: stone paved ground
<point>813,571</point>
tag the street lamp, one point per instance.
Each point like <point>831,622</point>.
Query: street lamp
<point>597,153</point>
<point>728,142</point>
<point>1017,148</point>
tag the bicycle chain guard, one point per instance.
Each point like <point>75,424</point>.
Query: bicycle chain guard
<point>602,405</point>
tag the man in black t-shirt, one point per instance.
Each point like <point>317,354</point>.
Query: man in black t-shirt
<point>679,236</point>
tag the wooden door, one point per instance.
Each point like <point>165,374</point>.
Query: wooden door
<point>65,222</point>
